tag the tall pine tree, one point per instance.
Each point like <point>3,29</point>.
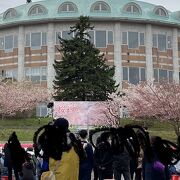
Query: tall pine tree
<point>82,75</point>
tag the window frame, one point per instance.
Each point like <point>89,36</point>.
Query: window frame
<point>100,3</point>
<point>126,33</point>
<point>11,11</point>
<point>67,4</point>
<point>158,74</point>
<point>9,49</point>
<point>139,73</point>
<point>28,74</point>
<point>132,5</point>
<point>160,9</point>
<point>157,42</point>
<point>36,6</point>
<point>29,43</point>
<point>107,37</point>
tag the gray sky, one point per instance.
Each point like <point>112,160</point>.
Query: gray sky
<point>172,5</point>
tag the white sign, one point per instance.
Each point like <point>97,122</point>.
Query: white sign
<point>79,112</point>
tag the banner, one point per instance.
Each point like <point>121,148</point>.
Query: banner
<point>80,112</point>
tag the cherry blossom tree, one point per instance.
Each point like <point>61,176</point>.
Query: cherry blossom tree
<point>160,101</point>
<point>18,97</point>
<point>110,111</point>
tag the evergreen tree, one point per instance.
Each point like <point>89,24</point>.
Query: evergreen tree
<point>82,75</point>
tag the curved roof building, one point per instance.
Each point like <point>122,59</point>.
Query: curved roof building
<point>142,40</point>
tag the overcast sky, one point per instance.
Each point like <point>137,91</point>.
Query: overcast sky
<point>172,5</point>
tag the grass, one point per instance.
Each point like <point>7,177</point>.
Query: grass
<point>25,128</point>
<point>155,128</point>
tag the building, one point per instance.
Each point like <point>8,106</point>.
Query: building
<point>142,40</point>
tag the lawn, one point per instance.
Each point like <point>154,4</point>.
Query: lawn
<point>25,128</point>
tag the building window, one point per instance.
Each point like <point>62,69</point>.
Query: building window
<point>170,76</point>
<point>11,73</point>
<point>101,38</point>
<point>141,39</point>
<point>110,37</point>
<point>41,110</point>
<point>37,10</point>
<point>160,11</point>
<point>124,37</point>
<point>156,76</point>
<point>162,42</point>
<point>36,75</point>
<point>15,41</point>
<point>125,73</point>
<point>142,74</point>
<point>163,75</point>
<point>91,33</point>
<point>134,75</point>
<point>43,73</point>
<point>66,35</point>
<point>67,7</point>
<point>100,7</point>
<point>154,38</point>
<point>133,39</point>
<point>36,40</point>
<point>44,39</point>
<point>10,13</point>
<point>9,43</point>
<point>132,8</point>
<point>1,43</point>
<point>169,42</point>
<point>57,35</point>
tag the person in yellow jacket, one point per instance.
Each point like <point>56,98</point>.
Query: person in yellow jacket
<point>68,168</point>
<point>62,149</point>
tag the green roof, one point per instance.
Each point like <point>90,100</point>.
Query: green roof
<point>116,11</point>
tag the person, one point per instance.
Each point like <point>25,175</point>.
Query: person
<point>61,148</point>
<point>155,161</point>
<point>15,156</point>
<point>142,143</point>
<point>28,171</point>
<point>121,165</point>
<point>86,164</point>
<point>95,172</point>
<point>103,157</point>
<point>121,155</point>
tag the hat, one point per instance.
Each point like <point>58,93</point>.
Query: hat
<point>61,123</point>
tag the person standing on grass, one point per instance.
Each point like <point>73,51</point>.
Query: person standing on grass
<point>86,164</point>
<point>15,156</point>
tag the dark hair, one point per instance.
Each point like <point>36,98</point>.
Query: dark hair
<point>52,139</point>
<point>83,133</point>
<point>104,136</point>
<point>162,152</point>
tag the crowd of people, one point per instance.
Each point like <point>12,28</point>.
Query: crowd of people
<point>109,153</point>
